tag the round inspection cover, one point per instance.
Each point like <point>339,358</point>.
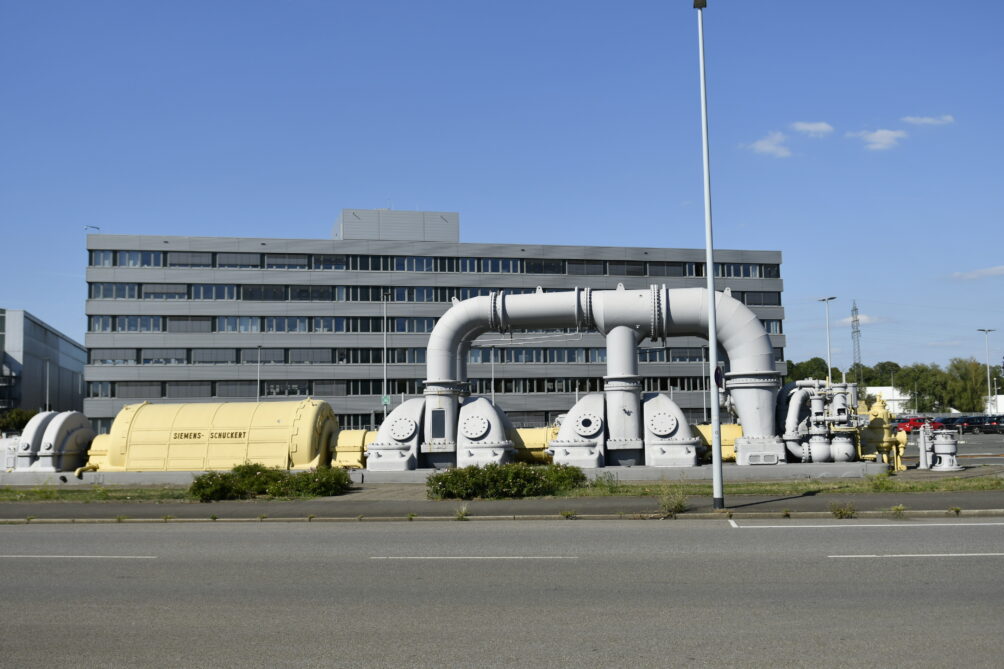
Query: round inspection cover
<point>474,427</point>
<point>662,424</point>
<point>588,424</point>
<point>402,428</point>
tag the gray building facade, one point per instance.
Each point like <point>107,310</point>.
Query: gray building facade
<point>40,368</point>
<point>200,319</point>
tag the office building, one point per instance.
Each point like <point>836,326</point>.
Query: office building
<point>40,368</point>
<point>190,319</point>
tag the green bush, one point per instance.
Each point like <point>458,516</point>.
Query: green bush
<point>253,480</point>
<point>509,481</point>
<point>322,482</point>
<point>15,419</point>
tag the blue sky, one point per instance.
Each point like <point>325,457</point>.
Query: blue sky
<point>862,139</point>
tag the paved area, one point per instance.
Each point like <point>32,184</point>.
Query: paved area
<point>703,593</point>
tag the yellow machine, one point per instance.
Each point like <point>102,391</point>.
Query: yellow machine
<point>350,448</point>
<point>730,432</point>
<point>531,442</point>
<point>878,442</point>
<point>199,437</point>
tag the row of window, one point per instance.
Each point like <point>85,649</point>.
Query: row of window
<point>282,293</point>
<point>365,387</point>
<point>371,356</point>
<point>251,324</point>
<point>380,263</point>
<point>288,324</point>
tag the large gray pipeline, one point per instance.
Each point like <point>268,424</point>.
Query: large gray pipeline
<point>656,313</point>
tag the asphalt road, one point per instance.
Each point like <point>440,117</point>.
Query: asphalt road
<point>504,594</point>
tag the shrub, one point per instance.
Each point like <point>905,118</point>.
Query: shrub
<point>15,419</point>
<point>672,502</point>
<point>843,511</point>
<point>252,480</point>
<point>508,481</point>
<point>321,482</point>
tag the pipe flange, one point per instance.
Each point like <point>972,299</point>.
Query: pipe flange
<point>474,427</point>
<point>662,423</point>
<point>588,424</point>
<point>402,428</point>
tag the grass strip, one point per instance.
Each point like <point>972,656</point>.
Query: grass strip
<point>881,483</point>
<point>95,493</point>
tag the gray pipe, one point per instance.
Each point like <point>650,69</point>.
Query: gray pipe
<point>623,389</point>
<point>656,313</point>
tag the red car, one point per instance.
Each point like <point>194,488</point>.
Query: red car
<point>914,423</point>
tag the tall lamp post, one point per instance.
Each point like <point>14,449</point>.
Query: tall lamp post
<point>386,396</point>
<point>709,271</point>
<point>986,336</point>
<point>829,375</point>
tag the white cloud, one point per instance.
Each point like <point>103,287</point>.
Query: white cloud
<point>812,128</point>
<point>772,145</point>
<point>929,120</point>
<point>980,273</point>
<point>879,140</point>
<point>863,319</point>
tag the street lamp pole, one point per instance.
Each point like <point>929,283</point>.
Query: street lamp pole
<point>258,383</point>
<point>986,336</point>
<point>385,400</point>
<point>709,271</point>
<point>829,375</point>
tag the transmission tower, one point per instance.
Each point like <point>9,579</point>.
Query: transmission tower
<point>856,339</point>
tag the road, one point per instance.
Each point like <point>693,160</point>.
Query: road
<point>504,594</point>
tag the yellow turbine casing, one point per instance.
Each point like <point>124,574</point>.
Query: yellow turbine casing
<point>350,450</point>
<point>530,443</point>
<point>730,432</point>
<point>200,437</point>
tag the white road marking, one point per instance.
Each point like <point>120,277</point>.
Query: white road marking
<point>920,555</point>
<point>474,557</point>
<point>733,523</point>
<point>843,526</point>
<point>83,557</point>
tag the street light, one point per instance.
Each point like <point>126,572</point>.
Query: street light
<point>258,383</point>
<point>986,336</point>
<point>385,400</point>
<point>709,271</point>
<point>826,303</point>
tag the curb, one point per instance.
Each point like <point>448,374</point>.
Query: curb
<point>793,515</point>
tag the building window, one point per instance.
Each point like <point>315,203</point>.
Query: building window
<point>287,388</point>
<point>236,389</point>
<point>137,389</point>
<point>189,389</point>
<point>587,267</point>
<point>99,389</point>
<point>329,324</point>
<point>140,259</point>
<point>772,326</point>
<point>214,291</point>
<point>626,268</point>
<point>758,298</point>
<point>311,293</point>
<point>286,324</point>
<point>190,324</point>
<point>163,356</point>
<point>165,291</point>
<point>238,324</point>
<point>114,291</point>
<point>330,261</point>
<point>100,324</point>
<point>238,260</point>
<point>113,356</point>
<point>285,261</point>
<point>263,293</point>
<point>268,356</point>
<point>101,258</point>
<point>544,266</point>
<point>139,324</point>
<point>189,259</point>
<point>214,356</point>
<point>310,356</point>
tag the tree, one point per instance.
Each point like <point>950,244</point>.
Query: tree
<point>813,368</point>
<point>15,420</point>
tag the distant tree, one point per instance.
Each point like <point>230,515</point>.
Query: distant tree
<point>14,420</point>
<point>813,368</point>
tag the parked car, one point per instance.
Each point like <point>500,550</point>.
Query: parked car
<point>994,425</point>
<point>973,424</point>
<point>953,422</point>
<point>913,423</point>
